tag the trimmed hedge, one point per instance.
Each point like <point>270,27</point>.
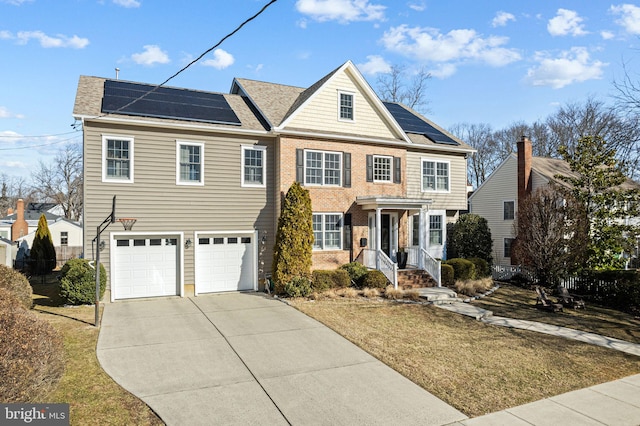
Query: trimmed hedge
<point>482,267</point>
<point>447,275</point>
<point>375,279</point>
<point>463,269</point>
<point>17,284</point>
<point>324,280</point>
<point>298,287</point>
<point>32,360</point>
<point>356,271</point>
<point>78,282</point>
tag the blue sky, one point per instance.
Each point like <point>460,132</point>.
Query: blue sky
<point>495,62</point>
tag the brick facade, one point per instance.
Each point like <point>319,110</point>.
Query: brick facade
<point>332,199</point>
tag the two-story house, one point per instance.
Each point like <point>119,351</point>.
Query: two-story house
<point>204,175</point>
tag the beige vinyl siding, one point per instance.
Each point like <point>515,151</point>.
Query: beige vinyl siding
<point>162,206</point>
<point>321,112</point>
<point>488,200</point>
<point>456,197</point>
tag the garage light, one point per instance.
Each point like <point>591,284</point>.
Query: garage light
<point>188,243</point>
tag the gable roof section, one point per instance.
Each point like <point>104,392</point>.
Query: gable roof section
<point>273,101</point>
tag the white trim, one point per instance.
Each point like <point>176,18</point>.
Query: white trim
<point>262,148</point>
<point>353,106</point>
<point>180,143</point>
<point>105,139</point>
<point>435,161</point>
<point>131,234</point>
<point>332,185</point>
<point>255,242</point>
<point>341,231</point>
<point>391,168</point>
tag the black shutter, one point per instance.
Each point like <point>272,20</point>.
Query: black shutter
<point>300,166</point>
<point>369,168</point>
<point>346,169</point>
<point>397,170</point>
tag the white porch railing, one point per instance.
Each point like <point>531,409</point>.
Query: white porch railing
<point>387,266</point>
<point>421,259</point>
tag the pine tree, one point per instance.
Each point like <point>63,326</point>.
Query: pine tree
<point>43,253</point>
<point>294,238</point>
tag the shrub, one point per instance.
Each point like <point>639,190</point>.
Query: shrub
<point>325,280</point>
<point>348,292</point>
<point>463,269</point>
<point>412,294</point>
<point>521,280</point>
<point>43,253</point>
<point>294,238</point>
<point>473,287</point>
<point>298,287</point>
<point>356,271</point>
<point>17,284</point>
<point>446,275</point>
<point>32,360</point>
<point>470,237</point>
<point>374,279</point>
<point>482,267</point>
<point>393,293</point>
<point>78,282</point>
<point>371,292</point>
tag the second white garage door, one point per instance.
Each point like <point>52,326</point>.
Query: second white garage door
<point>224,263</point>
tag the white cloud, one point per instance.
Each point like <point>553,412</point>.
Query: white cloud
<point>456,46</point>
<point>443,71</point>
<point>46,41</point>
<point>375,65</point>
<point>629,17</point>
<point>502,18</point>
<point>418,7</point>
<point>343,11</point>
<point>127,3</point>
<point>607,35</point>
<point>221,60</point>
<point>572,66</point>
<point>566,22</point>
<point>15,2</point>
<point>152,55</point>
<point>5,113</point>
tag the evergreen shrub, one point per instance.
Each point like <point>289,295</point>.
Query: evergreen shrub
<point>17,284</point>
<point>78,282</point>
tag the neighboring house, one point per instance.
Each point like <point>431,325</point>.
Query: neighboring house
<point>204,175</point>
<point>496,199</point>
<point>67,237</point>
<point>8,251</point>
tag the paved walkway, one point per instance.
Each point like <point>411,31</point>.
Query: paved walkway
<point>615,403</point>
<point>248,359</point>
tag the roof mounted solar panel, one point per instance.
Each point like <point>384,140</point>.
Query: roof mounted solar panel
<point>166,102</point>
<point>412,123</point>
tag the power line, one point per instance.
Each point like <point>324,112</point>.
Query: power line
<point>36,136</point>
<point>36,146</point>
<point>192,62</point>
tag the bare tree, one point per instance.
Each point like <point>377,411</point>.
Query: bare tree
<point>61,181</point>
<point>394,86</point>
<point>552,234</point>
<point>11,189</point>
<point>486,159</point>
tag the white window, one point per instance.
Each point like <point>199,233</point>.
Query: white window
<point>323,168</point>
<point>64,238</point>
<point>253,166</point>
<point>345,106</point>
<point>509,210</point>
<point>189,163</point>
<point>435,230</point>
<point>382,168</point>
<point>435,175</point>
<point>327,231</point>
<point>117,159</point>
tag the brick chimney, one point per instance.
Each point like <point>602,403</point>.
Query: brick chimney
<point>19,228</point>
<point>525,152</point>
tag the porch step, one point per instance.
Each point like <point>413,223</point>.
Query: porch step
<point>439,295</point>
<point>415,278</point>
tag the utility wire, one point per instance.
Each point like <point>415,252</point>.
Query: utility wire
<point>36,136</point>
<point>37,146</point>
<point>144,95</point>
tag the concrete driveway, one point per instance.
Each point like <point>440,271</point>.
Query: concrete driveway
<point>243,358</point>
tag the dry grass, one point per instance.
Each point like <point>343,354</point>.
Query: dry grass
<point>348,292</point>
<point>515,302</point>
<point>93,396</point>
<point>393,293</point>
<point>412,294</point>
<point>473,287</point>
<point>475,367</point>
<point>371,293</point>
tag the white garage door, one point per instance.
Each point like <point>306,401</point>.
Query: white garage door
<point>145,267</point>
<point>224,263</point>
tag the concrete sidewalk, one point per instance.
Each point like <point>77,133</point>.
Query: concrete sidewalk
<point>248,359</point>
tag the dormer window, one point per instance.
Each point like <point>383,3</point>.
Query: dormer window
<point>345,106</point>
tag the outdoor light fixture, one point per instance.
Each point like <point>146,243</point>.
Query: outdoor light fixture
<point>102,245</point>
<point>187,244</point>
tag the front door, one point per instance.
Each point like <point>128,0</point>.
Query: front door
<point>388,233</point>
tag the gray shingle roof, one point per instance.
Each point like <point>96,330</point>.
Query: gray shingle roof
<point>550,167</point>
